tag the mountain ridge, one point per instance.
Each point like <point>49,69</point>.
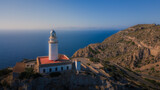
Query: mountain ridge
<point>136,48</point>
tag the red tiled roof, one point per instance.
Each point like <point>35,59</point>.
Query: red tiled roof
<point>45,59</point>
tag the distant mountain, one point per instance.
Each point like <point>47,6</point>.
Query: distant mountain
<point>136,48</point>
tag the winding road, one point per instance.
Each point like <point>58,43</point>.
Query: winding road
<point>95,68</point>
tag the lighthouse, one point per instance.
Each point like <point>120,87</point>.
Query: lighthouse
<point>53,46</point>
<point>55,62</point>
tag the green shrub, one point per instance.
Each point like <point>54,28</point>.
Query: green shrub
<point>149,73</point>
<point>55,74</point>
<point>121,40</point>
<point>128,42</point>
<point>152,69</point>
<point>153,81</point>
<point>29,70</point>
<point>138,71</point>
<point>87,73</point>
<point>107,62</point>
<point>25,75</point>
<point>133,43</point>
<point>29,73</point>
<point>102,49</point>
<point>4,72</point>
<point>93,51</point>
<point>94,59</point>
<point>5,84</point>
<point>36,75</point>
<point>88,64</point>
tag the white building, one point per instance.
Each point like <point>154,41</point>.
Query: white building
<point>54,62</point>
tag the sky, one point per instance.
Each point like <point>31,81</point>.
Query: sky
<point>77,14</point>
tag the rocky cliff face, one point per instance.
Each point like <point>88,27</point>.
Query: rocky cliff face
<point>135,48</point>
<point>66,81</point>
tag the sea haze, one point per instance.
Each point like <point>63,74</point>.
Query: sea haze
<point>19,45</point>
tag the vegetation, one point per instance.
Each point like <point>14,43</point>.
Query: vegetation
<point>102,49</point>
<point>105,62</point>
<point>88,64</point>
<point>133,43</point>
<point>54,74</point>
<point>153,81</point>
<point>121,40</point>
<point>29,73</point>
<point>138,71</point>
<point>94,59</point>
<point>93,51</point>
<point>87,73</point>
<point>128,69</point>
<point>129,48</point>
<point>152,69</point>
<point>4,72</point>
<point>5,84</point>
<point>114,72</point>
<point>133,71</point>
<point>36,75</point>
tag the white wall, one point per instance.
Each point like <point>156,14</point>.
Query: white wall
<point>53,51</point>
<point>53,68</point>
<point>78,65</point>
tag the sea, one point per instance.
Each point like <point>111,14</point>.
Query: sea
<point>16,45</point>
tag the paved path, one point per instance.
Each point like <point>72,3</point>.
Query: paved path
<point>98,71</point>
<point>94,67</point>
<point>154,50</point>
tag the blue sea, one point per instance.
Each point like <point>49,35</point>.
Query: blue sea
<point>18,45</point>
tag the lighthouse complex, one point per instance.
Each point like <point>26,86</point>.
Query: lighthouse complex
<point>54,62</point>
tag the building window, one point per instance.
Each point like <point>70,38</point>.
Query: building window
<point>62,68</point>
<point>55,69</point>
<point>67,67</point>
<point>44,70</point>
<point>50,70</point>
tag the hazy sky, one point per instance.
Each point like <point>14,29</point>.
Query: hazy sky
<point>77,14</point>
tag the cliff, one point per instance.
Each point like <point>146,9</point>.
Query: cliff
<point>136,48</point>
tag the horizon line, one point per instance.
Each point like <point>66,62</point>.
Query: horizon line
<point>70,29</point>
<point>74,28</point>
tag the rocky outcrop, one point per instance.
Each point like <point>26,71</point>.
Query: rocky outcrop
<point>67,81</point>
<point>132,48</point>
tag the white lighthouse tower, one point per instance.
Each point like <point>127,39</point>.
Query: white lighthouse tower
<point>53,46</point>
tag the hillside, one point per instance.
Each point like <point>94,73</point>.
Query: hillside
<point>136,48</point>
